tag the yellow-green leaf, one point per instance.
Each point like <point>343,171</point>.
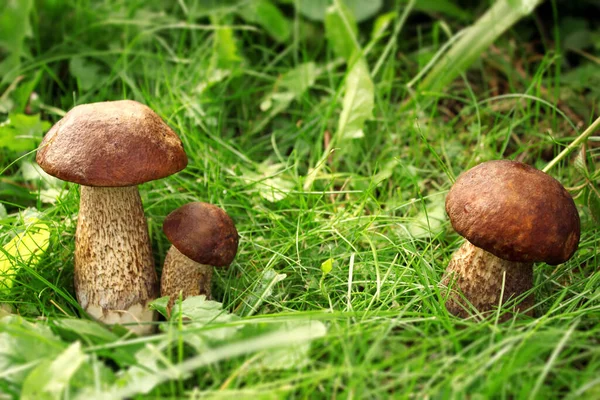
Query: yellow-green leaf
<point>26,247</point>
<point>327,266</point>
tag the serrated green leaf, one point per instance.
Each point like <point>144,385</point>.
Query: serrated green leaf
<point>51,378</point>
<point>269,17</point>
<point>580,163</point>
<point>25,248</point>
<point>22,132</point>
<point>594,203</point>
<point>225,54</point>
<point>341,30</point>
<point>359,99</point>
<point>327,266</point>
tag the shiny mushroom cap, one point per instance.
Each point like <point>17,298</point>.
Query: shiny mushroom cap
<point>113,143</point>
<point>202,232</point>
<point>515,212</point>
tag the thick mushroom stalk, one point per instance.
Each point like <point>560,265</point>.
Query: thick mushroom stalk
<point>486,281</point>
<point>108,148</point>
<point>183,275</point>
<point>203,237</point>
<point>512,215</point>
<point>115,277</point>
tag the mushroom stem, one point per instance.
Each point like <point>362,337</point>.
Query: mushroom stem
<point>115,277</point>
<point>182,274</point>
<point>479,276</point>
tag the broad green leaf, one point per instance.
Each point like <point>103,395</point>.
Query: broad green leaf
<point>270,181</point>
<point>290,86</point>
<point>87,73</point>
<point>14,29</point>
<point>357,106</point>
<point>327,266</point>
<point>199,312</point>
<point>280,338</point>
<point>385,172</point>
<point>295,355</point>
<point>33,172</point>
<point>84,328</point>
<point>316,9</point>
<point>142,377</point>
<point>23,345</point>
<point>341,30</point>
<point>198,315</point>
<point>268,16</point>
<point>25,248</point>
<point>580,163</point>
<point>161,305</point>
<point>51,377</point>
<point>286,89</point>
<point>428,223</point>
<point>22,132</point>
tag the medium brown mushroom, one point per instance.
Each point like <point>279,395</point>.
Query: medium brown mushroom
<point>109,148</point>
<point>203,237</point>
<point>512,215</point>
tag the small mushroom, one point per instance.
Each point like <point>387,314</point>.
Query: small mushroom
<point>512,215</point>
<point>203,236</point>
<point>109,148</point>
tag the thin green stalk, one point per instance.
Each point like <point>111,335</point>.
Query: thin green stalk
<point>574,144</point>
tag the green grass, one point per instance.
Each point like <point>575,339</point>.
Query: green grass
<point>375,207</point>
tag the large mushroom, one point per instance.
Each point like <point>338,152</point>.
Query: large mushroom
<point>108,148</point>
<point>512,215</point>
<point>203,236</point>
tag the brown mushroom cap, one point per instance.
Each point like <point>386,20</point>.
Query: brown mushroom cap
<point>515,212</point>
<point>113,143</point>
<point>203,232</point>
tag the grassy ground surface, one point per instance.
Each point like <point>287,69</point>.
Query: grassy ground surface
<point>335,290</point>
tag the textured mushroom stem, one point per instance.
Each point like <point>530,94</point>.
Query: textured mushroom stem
<point>182,274</point>
<point>478,275</point>
<point>115,277</point>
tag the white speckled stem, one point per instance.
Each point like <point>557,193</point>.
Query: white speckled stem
<point>181,274</point>
<point>479,275</point>
<point>115,277</point>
